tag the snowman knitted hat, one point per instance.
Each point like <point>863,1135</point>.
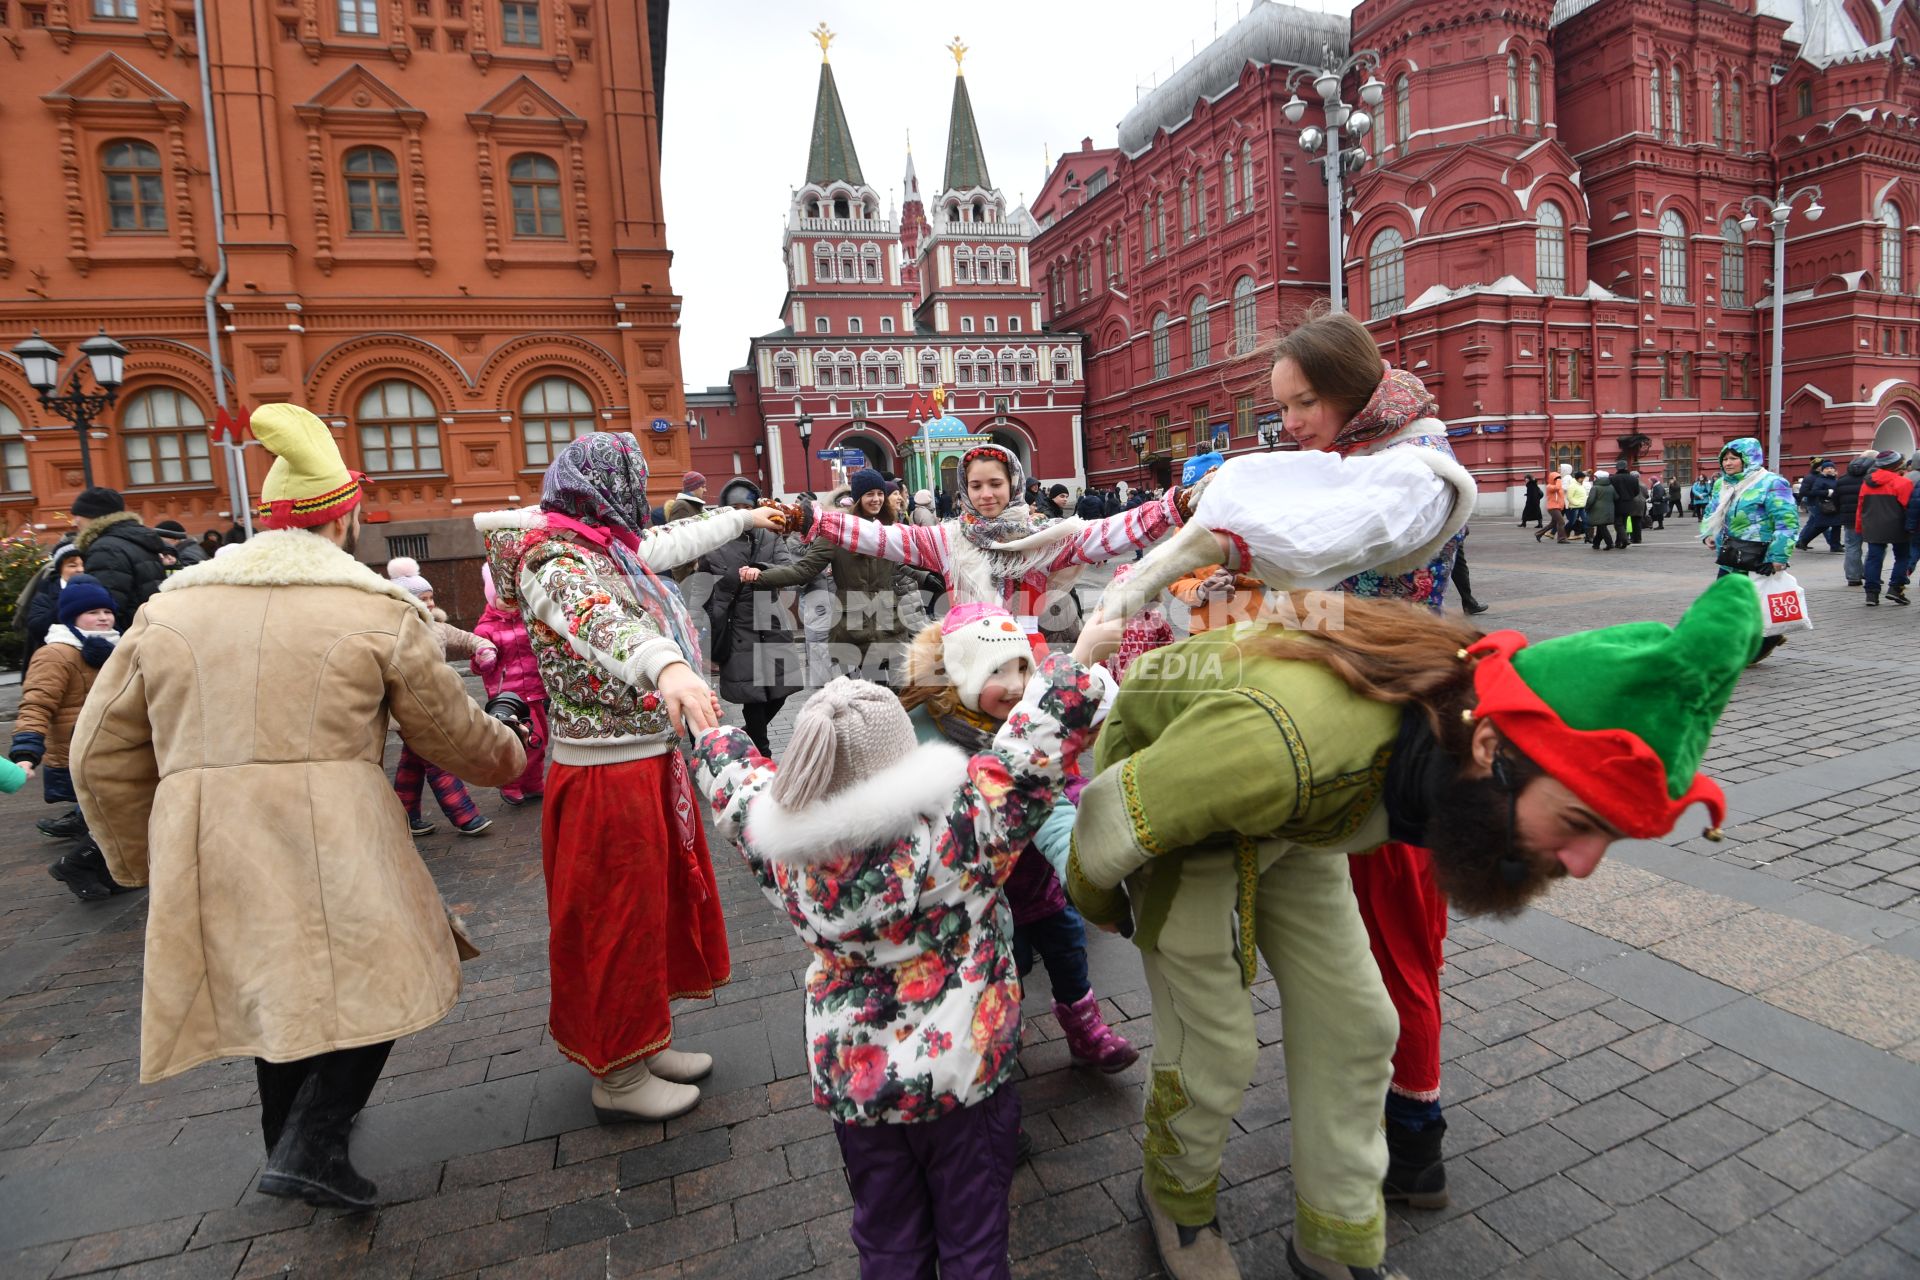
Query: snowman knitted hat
<point>1621,716</point>
<point>850,730</point>
<point>977,640</point>
<point>308,484</point>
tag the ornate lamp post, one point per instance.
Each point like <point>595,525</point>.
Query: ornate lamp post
<point>1271,434</point>
<point>108,360</point>
<point>1779,210</point>
<point>804,425</point>
<point>1344,122</point>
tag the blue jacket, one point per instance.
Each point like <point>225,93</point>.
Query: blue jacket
<point>1765,510</point>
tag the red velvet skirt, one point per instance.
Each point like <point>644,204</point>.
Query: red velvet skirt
<point>634,909</point>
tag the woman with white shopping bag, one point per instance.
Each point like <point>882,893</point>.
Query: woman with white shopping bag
<point>1751,524</point>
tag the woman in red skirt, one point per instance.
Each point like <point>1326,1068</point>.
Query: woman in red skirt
<point>631,899</point>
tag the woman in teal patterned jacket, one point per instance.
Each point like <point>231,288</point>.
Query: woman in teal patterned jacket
<point>1750,502</point>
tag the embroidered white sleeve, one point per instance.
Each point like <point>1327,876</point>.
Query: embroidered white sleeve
<point>1315,519</point>
<point>647,652</point>
<point>668,546</point>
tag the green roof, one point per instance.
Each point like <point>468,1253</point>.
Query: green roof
<point>831,157</point>
<point>966,158</point>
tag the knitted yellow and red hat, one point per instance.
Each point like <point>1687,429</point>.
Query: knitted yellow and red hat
<point>308,484</point>
<point>1621,716</point>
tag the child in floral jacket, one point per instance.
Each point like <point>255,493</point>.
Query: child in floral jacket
<point>888,858</point>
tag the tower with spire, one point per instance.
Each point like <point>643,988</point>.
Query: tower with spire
<point>913,224</point>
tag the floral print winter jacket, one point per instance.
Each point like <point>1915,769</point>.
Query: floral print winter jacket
<point>913,1002</point>
<point>1763,512</point>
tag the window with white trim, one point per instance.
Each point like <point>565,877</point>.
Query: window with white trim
<point>1246,321</point>
<point>1199,334</point>
<point>1673,257</point>
<point>359,17</point>
<point>1162,346</point>
<point>1386,274</point>
<point>163,434</point>
<point>1890,233</point>
<point>15,476</point>
<point>399,429</point>
<point>553,412</point>
<point>1550,250</point>
<point>1733,263</point>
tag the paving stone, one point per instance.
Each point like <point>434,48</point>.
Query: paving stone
<point>133,1244</point>
<point>1593,1074</point>
<point>1773,1101</point>
<point>1465,1248</point>
<point>1757,950</point>
<point>1869,996</point>
<point>1640,1239</point>
<point>597,1219</point>
<point>1857,1127</point>
<point>670,1240</point>
<point>1842,1213</point>
<point>726,1181</point>
<point>1894,1169</point>
<point>1057,1220</point>
<point>1529,1156</point>
<point>1678,1089</point>
<point>1728,1065</point>
<point>1629,1172</point>
<point>408,1224</point>
<point>1501,1022</point>
<point>216,1263</point>
<point>1878,1261</point>
<point>1730,1193</point>
<point>476,1247</point>
<point>1495,988</point>
<point>1581,1033</point>
<point>1764,1249</point>
<point>1568,1260</point>
<point>1802,1154</point>
<point>1504,1063</point>
<point>1543,1213</point>
<point>1607,1122</point>
<point>664,1160</point>
<point>1629,1015</point>
<point>1704,1136</point>
<point>1659,1046</point>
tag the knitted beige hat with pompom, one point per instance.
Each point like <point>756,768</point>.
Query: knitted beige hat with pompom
<point>850,730</point>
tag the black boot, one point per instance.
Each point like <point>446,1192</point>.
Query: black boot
<point>1416,1175</point>
<point>84,871</point>
<point>310,1160</point>
<point>1767,646</point>
<point>68,826</point>
<point>1470,606</point>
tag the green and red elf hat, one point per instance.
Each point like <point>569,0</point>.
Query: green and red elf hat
<point>1621,716</point>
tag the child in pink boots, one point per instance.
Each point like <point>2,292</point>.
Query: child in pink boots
<point>510,667</point>
<point>965,675</point>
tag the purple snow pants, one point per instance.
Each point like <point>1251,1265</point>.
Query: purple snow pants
<point>935,1192</point>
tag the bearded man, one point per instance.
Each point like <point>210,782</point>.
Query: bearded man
<point>1514,765</point>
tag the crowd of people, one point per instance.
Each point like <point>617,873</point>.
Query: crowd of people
<point>980,779</point>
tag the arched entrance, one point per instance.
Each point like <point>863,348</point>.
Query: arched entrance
<point>1895,433</point>
<point>880,454</point>
<point>1015,443</point>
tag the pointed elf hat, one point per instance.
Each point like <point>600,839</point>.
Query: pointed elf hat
<point>308,484</point>
<point>1621,716</point>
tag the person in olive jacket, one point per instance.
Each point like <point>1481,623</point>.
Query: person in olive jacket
<point>1600,513</point>
<point>877,602</point>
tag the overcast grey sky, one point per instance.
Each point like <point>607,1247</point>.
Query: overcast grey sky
<point>741,79</point>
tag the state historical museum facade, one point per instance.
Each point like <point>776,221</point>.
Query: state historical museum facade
<point>442,232</point>
<point>1547,230</point>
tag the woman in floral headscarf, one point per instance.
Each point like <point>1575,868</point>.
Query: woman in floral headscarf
<point>631,899</point>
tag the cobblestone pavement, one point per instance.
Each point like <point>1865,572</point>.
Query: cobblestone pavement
<point>1702,1062</point>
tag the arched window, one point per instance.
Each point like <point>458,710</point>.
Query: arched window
<point>1162,346</point>
<point>786,371</point>
<point>1226,187</point>
<point>870,263</point>
<point>1533,91</point>
<point>892,374</point>
<point>14,475</point>
<point>1146,231</point>
<point>1386,274</point>
<point>1009,367</point>
<point>1160,222</point>
<point>1737,108</point>
<point>849,262</point>
<point>870,369</point>
<point>373,191</point>
<point>1673,257</point>
<point>849,376</point>
<point>929,367</point>
<point>963,368</point>
<point>1890,234</point>
<point>1200,202</point>
<point>1717,110</point>
<point>983,368</point>
<point>1550,250</point>
<point>963,265</point>
<point>1062,365</point>
<point>131,169</point>
<point>823,263</point>
<point>1080,272</point>
<point>1676,103</point>
<point>1403,112</point>
<point>1186,208</point>
<point>1733,263</point>
<point>1199,334</point>
<point>1008,265</point>
<point>399,430</point>
<point>553,412</point>
<point>1803,99</point>
<point>534,181</point>
<point>1246,322</point>
<point>1513,86</point>
<point>1653,98</point>
<point>1029,367</point>
<point>164,436</point>
<point>1246,175</point>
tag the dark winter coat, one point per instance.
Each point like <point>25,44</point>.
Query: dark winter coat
<point>763,663</point>
<point>1657,503</point>
<point>1846,490</point>
<point>1629,499</point>
<point>1534,493</point>
<point>1816,490</point>
<point>1601,501</point>
<point>1883,507</point>
<point>1636,491</point>
<point>1090,507</point>
<point>125,556</point>
<point>877,601</point>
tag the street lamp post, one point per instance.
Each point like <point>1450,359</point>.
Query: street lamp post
<point>1779,210</point>
<point>1344,122</point>
<point>804,425</point>
<point>108,360</point>
<point>1271,434</point>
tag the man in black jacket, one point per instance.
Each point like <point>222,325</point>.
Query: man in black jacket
<point>1846,499</point>
<point>123,554</point>
<point>1818,491</point>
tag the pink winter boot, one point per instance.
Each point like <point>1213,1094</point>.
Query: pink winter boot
<point>1090,1040</point>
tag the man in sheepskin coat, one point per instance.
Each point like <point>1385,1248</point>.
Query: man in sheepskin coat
<point>230,757</point>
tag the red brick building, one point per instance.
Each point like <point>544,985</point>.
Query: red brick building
<point>879,310</point>
<point>1547,229</point>
<point>441,230</point>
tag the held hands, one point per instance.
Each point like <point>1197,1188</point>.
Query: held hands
<point>690,703</point>
<point>1218,586</point>
<point>748,573</point>
<point>767,517</point>
<point>789,517</point>
<point>1098,639</point>
<point>27,767</point>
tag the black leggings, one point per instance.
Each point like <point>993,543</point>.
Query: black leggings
<point>343,1081</point>
<point>758,716</point>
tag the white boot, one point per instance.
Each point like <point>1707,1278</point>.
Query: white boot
<point>635,1093</point>
<point>681,1068</point>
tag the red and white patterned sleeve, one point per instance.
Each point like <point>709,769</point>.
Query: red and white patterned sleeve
<point>1102,540</point>
<point>922,546</point>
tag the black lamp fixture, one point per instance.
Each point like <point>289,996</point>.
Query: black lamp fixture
<point>804,425</point>
<point>108,361</point>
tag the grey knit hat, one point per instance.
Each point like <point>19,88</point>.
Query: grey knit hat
<point>850,730</point>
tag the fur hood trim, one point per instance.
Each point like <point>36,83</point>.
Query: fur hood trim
<point>289,558</point>
<point>873,812</point>
<point>85,539</point>
<point>511,518</point>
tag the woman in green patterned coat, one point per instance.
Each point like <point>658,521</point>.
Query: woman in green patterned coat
<point>1749,503</point>
<point>1356,723</point>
